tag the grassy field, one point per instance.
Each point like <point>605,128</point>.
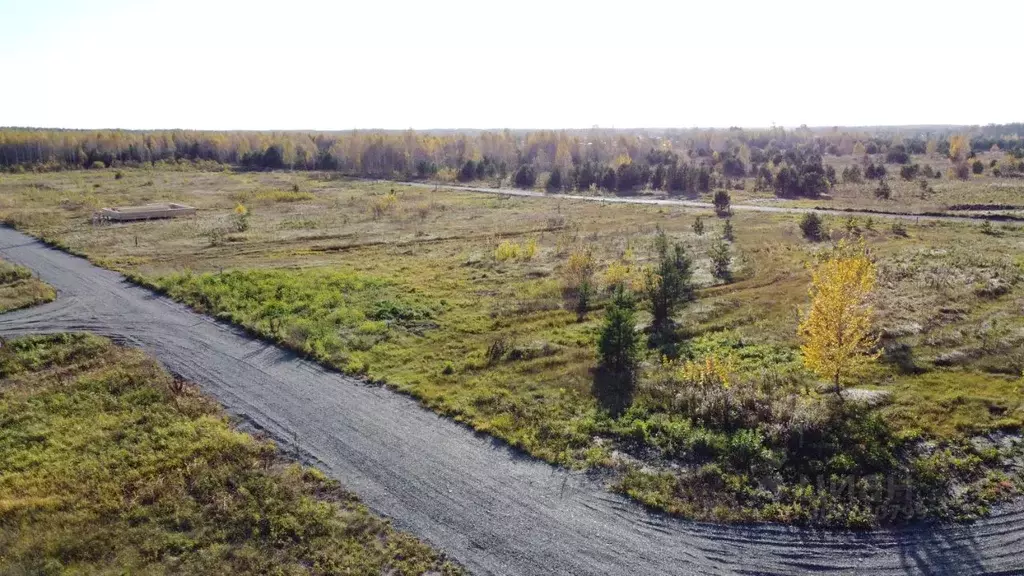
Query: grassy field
<point>19,288</point>
<point>410,288</point>
<point>109,465</point>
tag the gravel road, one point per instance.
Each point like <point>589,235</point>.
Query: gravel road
<point>772,209</point>
<point>492,509</point>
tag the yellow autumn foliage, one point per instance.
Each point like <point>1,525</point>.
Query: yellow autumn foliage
<point>624,272</point>
<point>959,147</point>
<point>836,330</point>
<point>708,372</point>
<point>507,250</point>
<point>579,268</point>
<point>530,249</point>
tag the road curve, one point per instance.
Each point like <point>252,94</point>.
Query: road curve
<point>493,510</point>
<point>696,204</point>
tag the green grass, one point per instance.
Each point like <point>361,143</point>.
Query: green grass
<point>415,296</point>
<point>20,289</point>
<point>109,465</point>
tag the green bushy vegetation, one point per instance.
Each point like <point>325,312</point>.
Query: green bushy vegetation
<point>109,465</point>
<point>19,288</point>
<point>325,314</point>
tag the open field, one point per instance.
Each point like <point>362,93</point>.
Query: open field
<point>411,289</point>
<point>111,465</point>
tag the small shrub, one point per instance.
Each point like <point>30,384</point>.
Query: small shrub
<point>899,229</point>
<point>851,226</point>
<point>874,171</point>
<point>525,176</point>
<point>723,203</point>
<point>883,191</point>
<point>721,261</point>
<point>577,280</point>
<point>812,226</point>
<point>97,165</point>
<point>727,233</point>
<point>977,167</point>
<point>498,348</point>
<point>118,175</point>
<point>909,171</point>
<point>619,349</point>
<point>698,226</point>
<point>530,249</point>
<point>507,250</point>
<point>240,218</point>
<point>382,205</point>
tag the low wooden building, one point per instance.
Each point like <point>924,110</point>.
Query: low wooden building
<point>144,212</point>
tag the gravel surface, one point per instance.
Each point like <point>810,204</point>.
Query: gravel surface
<point>754,206</point>
<point>492,509</point>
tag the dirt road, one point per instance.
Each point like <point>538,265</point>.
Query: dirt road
<point>977,218</point>
<point>494,510</point>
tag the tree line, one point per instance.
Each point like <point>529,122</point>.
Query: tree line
<point>676,161</point>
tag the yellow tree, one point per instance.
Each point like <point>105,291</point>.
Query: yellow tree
<point>959,147</point>
<point>836,330</point>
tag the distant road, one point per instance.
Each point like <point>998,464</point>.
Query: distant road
<point>694,203</point>
<point>492,509</point>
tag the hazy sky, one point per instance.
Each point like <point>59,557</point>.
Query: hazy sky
<point>305,64</point>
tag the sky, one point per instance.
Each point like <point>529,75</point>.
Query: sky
<point>306,64</point>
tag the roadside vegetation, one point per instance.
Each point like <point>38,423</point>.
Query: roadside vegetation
<point>19,288</point>
<point>111,465</point>
<point>661,344</point>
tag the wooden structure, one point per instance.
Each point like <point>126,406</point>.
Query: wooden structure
<point>144,212</point>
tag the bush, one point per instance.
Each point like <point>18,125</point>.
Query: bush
<point>619,349</point>
<point>897,155</point>
<point>909,171</point>
<point>977,167</point>
<point>667,286</point>
<point>525,176</point>
<point>698,226</point>
<point>721,261</point>
<point>874,171</point>
<point>723,203</point>
<point>97,165</point>
<point>852,175</point>
<point>813,226</point>
<point>899,229</point>
<point>118,175</point>
<point>383,204</point>
<point>555,180</point>
<point>240,218</point>
<point>507,250</point>
<point>577,280</point>
<point>883,191</point>
<point>727,233</point>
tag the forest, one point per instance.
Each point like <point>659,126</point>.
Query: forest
<point>788,161</point>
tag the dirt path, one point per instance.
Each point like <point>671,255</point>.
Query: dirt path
<point>492,509</point>
<point>696,204</point>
